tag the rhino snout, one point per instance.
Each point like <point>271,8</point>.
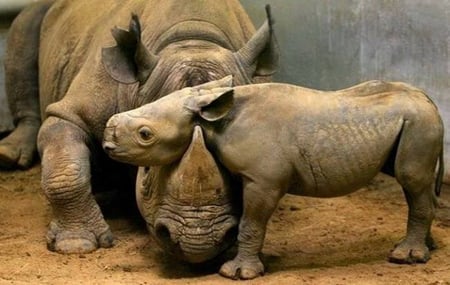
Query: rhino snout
<point>115,128</point>
<point>108,139</point>
<point>196,245</point>
<point>109,146</point>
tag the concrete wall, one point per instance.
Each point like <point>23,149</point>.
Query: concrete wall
<point>328,44</point>
<point>9,7</point>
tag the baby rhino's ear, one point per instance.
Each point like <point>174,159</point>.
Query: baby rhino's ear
<point>227,81</point>
<point>211,105</point>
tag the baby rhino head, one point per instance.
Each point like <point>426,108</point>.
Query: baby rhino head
<point>159,133</point>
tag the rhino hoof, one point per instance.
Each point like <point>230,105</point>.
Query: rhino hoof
<point>106,239</point>
<point>408,253</point>
<point>74,242</point>
<point>80,241</point>
<point>18,149</point>
<point>8,156</point>
<point>242,269</point>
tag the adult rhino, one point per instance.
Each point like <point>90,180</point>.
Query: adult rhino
<point>66,67</point>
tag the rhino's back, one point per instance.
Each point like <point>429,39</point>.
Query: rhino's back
<point>75,31</point>
<point>359,103</point>
<point>335,141</point>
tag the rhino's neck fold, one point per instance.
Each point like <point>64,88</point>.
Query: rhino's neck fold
<point>128,97</point>
<point>193,30</point>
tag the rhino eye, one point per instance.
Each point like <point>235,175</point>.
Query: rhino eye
<point>145,133</point>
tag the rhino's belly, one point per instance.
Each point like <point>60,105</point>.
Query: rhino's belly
<point>345,157</point>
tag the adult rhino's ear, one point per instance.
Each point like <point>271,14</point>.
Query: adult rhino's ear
<point>211,105</point>
<point>227,81</point>
<point>261,50</point>
<point>129,61</point>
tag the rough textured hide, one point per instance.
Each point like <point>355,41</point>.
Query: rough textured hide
<point>282,138</point>
<point>339,43</point>
<point>197,188</point>
<point>88,60</point>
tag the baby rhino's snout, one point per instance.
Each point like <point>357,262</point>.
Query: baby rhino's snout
<point>109,146</point>
<point>111,133</point>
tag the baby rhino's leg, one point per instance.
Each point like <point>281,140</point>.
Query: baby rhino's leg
<point>418,241</point>
<point>259,203</point>
<point>414,169</point>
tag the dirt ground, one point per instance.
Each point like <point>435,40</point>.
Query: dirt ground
<point>309,241</point>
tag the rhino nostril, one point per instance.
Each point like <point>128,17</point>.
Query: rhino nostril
<point>163,234</point>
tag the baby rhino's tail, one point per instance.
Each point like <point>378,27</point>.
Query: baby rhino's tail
<point>440,174</point>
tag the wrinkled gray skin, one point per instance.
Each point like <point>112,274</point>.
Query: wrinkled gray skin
<point>71,67</point>
<point>282,139</point>
<point>209,212</point>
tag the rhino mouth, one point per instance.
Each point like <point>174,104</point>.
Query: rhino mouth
<point>117,152</point>
<point>110,147</point>
<point>195,240</point>
<point>194,249</point>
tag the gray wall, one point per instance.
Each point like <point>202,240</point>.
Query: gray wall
<point>329,44</point>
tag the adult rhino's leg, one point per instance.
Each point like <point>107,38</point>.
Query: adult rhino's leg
<point>78,224</point>
<point>260,201</point>
<point>21,72</point>
<point>414,168</point>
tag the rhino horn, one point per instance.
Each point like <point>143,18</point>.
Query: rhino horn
<point>129,61</point>
<point>262,49</point>
<point>198,174</point>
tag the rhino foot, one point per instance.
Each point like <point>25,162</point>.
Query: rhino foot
<point>242,268</point>
<point>8,156</point>
<point>19,148</point>
<point>431,244</point>
<point>76,241</point>
<point>409,253</point>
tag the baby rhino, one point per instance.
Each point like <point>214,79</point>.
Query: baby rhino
<point>281,138</point>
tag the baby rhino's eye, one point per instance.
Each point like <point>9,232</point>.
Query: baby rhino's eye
<point>145,133</point>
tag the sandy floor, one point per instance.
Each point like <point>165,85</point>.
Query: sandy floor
<point>310,241</point>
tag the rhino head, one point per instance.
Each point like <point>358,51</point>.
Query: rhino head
<point>189,54</point>
<point>190,203</point>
